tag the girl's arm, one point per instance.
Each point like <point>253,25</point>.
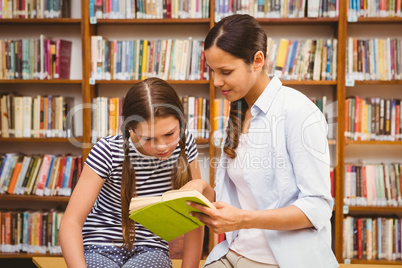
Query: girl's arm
<point>79,206</point>
<point>193,241</point>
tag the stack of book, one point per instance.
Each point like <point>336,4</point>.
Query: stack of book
<point>44,175</point>
<point>139,59</point>
<point>373,185</point>
<point>301,60</point>
<point>36,117</point>
<point>40,58</point>
<point>30,231</point>
<point>373,119</point>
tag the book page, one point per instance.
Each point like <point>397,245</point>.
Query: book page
<point>174,194</point>
<point>140,202</point>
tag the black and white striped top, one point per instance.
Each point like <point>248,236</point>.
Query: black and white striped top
<point>103,224</point>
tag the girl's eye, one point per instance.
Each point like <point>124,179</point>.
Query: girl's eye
<point>227,72</point>
<point>169,134</point>
<point>148,139</point>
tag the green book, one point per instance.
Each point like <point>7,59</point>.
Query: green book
<point>168,215</point>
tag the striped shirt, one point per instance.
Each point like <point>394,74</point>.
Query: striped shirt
<point>103,224</point>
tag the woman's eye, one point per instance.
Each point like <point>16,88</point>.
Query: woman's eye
<point>227,73</point>
<point>169,134</point>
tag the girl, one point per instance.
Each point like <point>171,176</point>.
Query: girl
<point>153,154</point>
<point>273,181</point>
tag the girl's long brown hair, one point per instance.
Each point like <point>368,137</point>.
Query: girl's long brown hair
<point>148,99</point>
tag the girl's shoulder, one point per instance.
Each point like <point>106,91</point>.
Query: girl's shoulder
<point>112,141</point>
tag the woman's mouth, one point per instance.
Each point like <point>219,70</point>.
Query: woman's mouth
<point>225,92</point>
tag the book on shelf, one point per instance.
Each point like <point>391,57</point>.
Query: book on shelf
<point>373,9</point>
<point>142,9</point>
<point>45,175</point>
<point>14,9</point>
<point>373,119</point>
<point>373,185</point>
<point>30,231</point>
<point>35,117</point>
<point>374,59</point>
<point>310,59</point>
<point>372,238</point>
<point>39,58</point>
<point>278,9</point>
<point>168,215</point>
<point>139,59</point>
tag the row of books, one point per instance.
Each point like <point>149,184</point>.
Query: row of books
<point>278,8</point>
<point>373,119</point>
<point>139,59</point>
<point>148,9</point>
<point>106,116</point>
<point>302,59</point>
<point>374,8</point>
<point>368,238</point>
<point>373,185</point>
<point>30,9</point>
<point>44,175</point>
<point>36,117</point>
<point>40,58</point>
<point>196,112</point>
<point>30,231</point>
<point>221,113</point>
<point>374,59</point>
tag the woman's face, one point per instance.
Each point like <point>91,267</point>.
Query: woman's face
<point>231,75</point>
<point>158,138</point>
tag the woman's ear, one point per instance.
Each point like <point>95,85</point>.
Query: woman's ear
<point>259,60</point>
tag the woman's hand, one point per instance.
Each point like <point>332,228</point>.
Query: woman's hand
<point>225,218</point>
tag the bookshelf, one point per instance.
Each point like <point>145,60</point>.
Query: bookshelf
<point>82,28</point>
<point>364,151</point>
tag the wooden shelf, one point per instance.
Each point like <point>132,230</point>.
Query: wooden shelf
<point>59,21</point>
<point>15,197</point>
<point>374,209</point>
<point>298,21</point>
<point>5,255</point>
<point>38,139</point>
<point>396,262</point>
<point>347,142</point>
<point>201,141</point>
<point>153,21</point>
<point>332,142</point>
<point>202,82</point>
<point>378,20</point>
<point>309,83</point>
<point>40,81</point>
<point>379,82</point>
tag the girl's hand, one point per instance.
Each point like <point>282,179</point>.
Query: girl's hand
<point>224,218</point>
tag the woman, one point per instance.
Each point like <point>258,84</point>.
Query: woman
<point>273,181</point>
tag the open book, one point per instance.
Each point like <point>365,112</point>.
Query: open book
<point>168,215</point>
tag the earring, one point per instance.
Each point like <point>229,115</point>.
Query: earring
<point>130,130</point>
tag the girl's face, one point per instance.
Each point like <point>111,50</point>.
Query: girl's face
<point>158,138</point>
<point>231,75</point>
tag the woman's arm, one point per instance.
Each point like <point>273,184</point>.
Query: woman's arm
<point>228,218</point>
<point>79,206</point>
<point>193,241</point>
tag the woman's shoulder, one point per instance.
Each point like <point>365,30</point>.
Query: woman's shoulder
<point>296,101</point>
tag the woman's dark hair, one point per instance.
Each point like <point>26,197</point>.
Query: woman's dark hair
<point>146,100</point>
<point>241,36</point>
